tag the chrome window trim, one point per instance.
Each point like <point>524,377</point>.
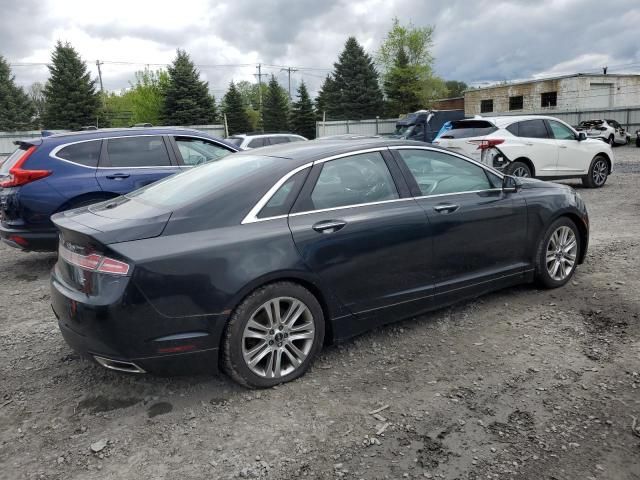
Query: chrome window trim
<point>55,150</point>
<point>251,217</point>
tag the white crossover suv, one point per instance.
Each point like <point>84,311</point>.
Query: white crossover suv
<point>247,141</point>
<point>531,146</point>
<point>608,131</point>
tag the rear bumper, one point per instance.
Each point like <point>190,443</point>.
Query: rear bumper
<point>130,331</point>
<point>29,240</point>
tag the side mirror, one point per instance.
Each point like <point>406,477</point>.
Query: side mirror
<point>581,136</point>
<point>510,184</point>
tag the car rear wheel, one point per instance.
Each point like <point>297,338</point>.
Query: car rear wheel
<point>598,173</point>
<point>273,336</point>
<point>519,169</point>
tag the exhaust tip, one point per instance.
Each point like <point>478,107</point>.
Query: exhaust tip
<point>118,365</point>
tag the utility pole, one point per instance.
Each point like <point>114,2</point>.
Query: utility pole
<point>259,75</point>
<point>98,63</point>
<point>289,70</point>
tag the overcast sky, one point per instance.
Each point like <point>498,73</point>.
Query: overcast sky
<point>475,40</point>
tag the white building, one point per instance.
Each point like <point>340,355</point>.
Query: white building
<point>569,93</point>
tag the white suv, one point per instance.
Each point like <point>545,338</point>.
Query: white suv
<point>247,141</point>
<point>531,146</point>
<point>608,131</point>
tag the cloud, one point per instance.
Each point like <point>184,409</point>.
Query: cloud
<point>484,40</point>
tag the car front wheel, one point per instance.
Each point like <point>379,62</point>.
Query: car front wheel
<point>273,335</point>
<point>598,173</point>
<point>557,254</point>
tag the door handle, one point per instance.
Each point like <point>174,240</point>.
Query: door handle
<point>529,144</point>
<point>563,146</point>
<point>447,208</point>
<point>329,226</point>
<point>118,176</point>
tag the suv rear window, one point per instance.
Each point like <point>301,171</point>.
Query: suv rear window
<point>276,140</point>
<point>469,128</point>
<point>83,153</point>
<point>257,142</point>
<point>11,160</point>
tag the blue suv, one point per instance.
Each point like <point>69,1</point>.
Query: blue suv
<point>52,174</point>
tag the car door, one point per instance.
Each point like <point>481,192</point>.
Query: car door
<point>356,226</point>
<point>193,151</point>
<point>479,231</point>
<point>535,144</point>
<point>129,163</point>
<point>574,157</point>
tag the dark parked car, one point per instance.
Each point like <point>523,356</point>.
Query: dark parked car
<point>258,259</point>
<point>59,172</point>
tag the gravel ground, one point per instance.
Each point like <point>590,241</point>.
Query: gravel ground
<point>522,384</point>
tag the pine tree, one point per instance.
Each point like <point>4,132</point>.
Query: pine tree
<point>402,87</point>
<point>16,109</point>
<point>237,118</point>
<point>303,121</point>
<point>70,95</point>
<point>327,101</point>
<point>275,110</point>
<point>356,83</point>
<point>187,100</point>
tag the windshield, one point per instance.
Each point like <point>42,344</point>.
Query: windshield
<point>200,181</point>
<point>403,130</point>
<point>235,141</point>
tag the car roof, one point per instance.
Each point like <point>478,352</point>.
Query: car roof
<point>305,152</point>
<point>502,121</point>
<point>265,134</point>
<point>60,138</point>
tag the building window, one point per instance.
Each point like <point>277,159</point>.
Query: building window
<point>486,106</point>
<point>549,99</point>
<point>516,103</point>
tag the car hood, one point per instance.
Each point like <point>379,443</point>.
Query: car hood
<point>118,220</point>
<point>529,183</point>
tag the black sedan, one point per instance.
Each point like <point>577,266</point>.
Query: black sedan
<point>254,261</point>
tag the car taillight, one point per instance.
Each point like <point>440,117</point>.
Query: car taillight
<point>21,176</point>
<point>94,262</point>
<point>486,144</point>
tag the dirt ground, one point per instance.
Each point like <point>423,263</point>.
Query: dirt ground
<point>522,384</point>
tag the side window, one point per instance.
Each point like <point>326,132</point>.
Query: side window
<point>145,151</point>
<point>281,201</point>
<point>560,131</point>
<point>195,151</point>
<point>295,139</point>
<point>84,153</point>
<point>276,140</point>
<point>438,173</point>
<point>533,129</point>
<point>256,142</point>
<point>514,129</point>
<point>362,178</point>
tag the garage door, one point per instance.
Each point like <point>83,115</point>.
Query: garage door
<point>600,95</point>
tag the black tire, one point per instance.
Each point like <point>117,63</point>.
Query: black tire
<point>233,361</point>
<point>543,276</point>
<point>638,142</point>
<point>598,173</point>
<point>519,169</point>
<point>611,141</point>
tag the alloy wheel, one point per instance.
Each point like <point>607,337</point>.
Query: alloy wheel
<point>520,172</point>
<point>599,172</point>
<point>278,337</point>
<point>562,251</point>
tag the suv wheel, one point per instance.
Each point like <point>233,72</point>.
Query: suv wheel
<point>519,169</point>
<point>273,336</point>
<point>598,173</point>
<point>557,254</point>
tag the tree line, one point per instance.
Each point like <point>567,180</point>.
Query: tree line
<point>398,80</point>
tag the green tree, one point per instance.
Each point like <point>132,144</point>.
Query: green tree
<point>327,99</point>
<point>303,118</point>
<point>187,100</point>
<point>357,92</point>
<point>455,88</point>
<point>275,110</point>
<point>16,109</point>
<point>70,95</point>
<point>234,109</point>
<point>402,87</point>
<point>147,95</point>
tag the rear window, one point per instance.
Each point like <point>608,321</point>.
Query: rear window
<point>276,140</point>
<point>203,180</point>
<point>235,141</point>
<point>257,142</point>
<point>531,129</point>
<point>84,153</point>
<point>12,159</point>
<point>469,128</point>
